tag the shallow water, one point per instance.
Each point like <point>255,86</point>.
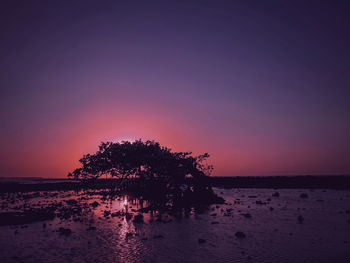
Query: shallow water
<point>273,232</point>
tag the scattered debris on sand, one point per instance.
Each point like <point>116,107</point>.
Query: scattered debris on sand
<point>304,195</point>
<point>247,215</point>
<point>28,216</point>
<point>95,204</point>
<point>240,234</point>
<point>300,219</point>
<point>276,194</point>
<point>64,231</point>
<point>201,241</point>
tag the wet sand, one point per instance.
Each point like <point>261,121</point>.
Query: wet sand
<point>254,225</point>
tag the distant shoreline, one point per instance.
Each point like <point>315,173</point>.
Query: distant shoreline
<point>339,182</point>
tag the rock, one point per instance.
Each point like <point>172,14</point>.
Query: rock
<point>304,195</point>
<point>64,231</point>
<point>201,241</point>
<point>276,194</point>
<point>128,235</point>
<point>247,215</point>
<point>116,214</point>
<point>138,218</point>
<point>71,202</point>
<point>300,219</point>
<point>240,234</point>
<point>77,219</point>
<point>28,216</point>
<point>95,204</point>
<point>214,214</point>
<point>90,228</point>
<point>106,213</point>
<point>259,202</point>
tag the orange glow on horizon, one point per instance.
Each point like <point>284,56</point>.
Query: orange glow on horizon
<point>57,151</point>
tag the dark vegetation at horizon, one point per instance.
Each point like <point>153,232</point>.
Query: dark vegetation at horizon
<point>142,159</point>
<point>214,176</point>
<point>147,169</point>
<point>340,182</point>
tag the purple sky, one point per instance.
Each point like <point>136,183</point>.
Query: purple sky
<point>263,86</point>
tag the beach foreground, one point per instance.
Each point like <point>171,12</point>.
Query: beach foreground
<point>254,225</point>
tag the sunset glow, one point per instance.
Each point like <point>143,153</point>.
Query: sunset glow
<point>174,131</point>
<point>246,97</point>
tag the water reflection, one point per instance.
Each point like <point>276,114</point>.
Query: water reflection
<point>173,235</point>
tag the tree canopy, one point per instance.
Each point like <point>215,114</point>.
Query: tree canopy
<point>142,159</point>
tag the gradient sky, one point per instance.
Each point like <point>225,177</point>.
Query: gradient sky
<point>263,86</point>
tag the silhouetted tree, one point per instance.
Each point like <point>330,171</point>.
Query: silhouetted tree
<point>146,160</point>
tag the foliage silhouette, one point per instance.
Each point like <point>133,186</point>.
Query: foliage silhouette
<point>140,159</point>
<point>154,169</point>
